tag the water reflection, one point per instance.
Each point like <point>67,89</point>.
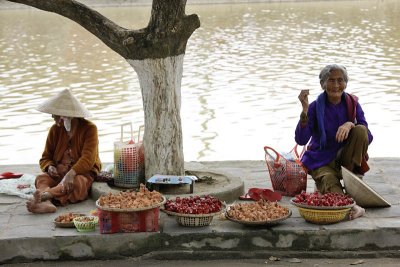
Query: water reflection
<point>243,70</point>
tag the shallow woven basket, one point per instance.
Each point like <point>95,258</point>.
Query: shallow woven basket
<point>194,221</point>
<point>86,226</point>
<point>319,216</point>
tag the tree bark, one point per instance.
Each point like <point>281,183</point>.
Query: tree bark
<point>160,82</point>
<point>156,53</point>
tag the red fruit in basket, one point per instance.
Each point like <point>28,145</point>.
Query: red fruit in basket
<point>194,205</point>
<point>141,153</point>
<point>328,199</point>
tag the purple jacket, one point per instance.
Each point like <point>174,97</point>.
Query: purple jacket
<point>334,116</point>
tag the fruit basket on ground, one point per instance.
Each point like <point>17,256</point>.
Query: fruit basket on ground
<point>262,212</point>
<point>86,223</point>
<point>320,208</point>
<point>130,211</point>
<point>194,211</point>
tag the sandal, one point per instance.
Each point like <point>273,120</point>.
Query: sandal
<point>10,175</point>
<point>245,197</point>
<point>270,195</point>
<point>253,194</point>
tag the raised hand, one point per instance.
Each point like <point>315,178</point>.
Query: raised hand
<point>303,97</point>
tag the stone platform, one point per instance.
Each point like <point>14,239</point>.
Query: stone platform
<point>26,237</point>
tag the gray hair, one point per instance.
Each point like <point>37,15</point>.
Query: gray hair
<point>326,71</point>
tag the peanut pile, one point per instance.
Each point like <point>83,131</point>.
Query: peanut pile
<point>85,219</point>
<point>131,199</point>
<point>257,211</point>
<point>67,217</point>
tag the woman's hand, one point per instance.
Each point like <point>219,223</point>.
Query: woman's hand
<point>68,181</point>
<point>52,171</point>
<point>343,131</point>
<point>303,97</point>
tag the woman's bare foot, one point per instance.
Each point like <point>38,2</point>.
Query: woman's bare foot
<point>37,196</point>
<point>40,207</point>
<point>356,212</point>
<point>46,196</point>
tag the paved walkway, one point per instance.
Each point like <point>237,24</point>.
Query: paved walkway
<point>28,237</point>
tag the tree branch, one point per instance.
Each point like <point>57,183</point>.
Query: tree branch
<point>106,30</point>
<point>166,34</point>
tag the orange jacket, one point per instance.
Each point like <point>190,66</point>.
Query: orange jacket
<point>84,147</point>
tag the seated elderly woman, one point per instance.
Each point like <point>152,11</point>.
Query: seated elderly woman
<point>339,133</point>
<point>70,160</point>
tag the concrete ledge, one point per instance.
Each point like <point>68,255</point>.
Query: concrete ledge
<point>26,237</point>
<point>221,240</point>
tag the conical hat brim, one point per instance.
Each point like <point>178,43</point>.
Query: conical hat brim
<point>64,104</point>
<point>361,192</point>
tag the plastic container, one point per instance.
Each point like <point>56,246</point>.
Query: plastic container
<point>129,222</point>
<point>85,223</point>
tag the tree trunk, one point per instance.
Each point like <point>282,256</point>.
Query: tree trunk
<point>160,82</point>
<point>156,53</point>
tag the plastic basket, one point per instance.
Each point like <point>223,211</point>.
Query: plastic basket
<point>129,222</point>
<point>86,226</point>
<point>128,161</point>
<point>319,216</point>
<point>287,177</point>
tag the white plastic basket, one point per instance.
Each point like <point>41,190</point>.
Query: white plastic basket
<point>127,163</point>
<point>194,221</point>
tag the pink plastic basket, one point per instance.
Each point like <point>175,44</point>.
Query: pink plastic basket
<point>287,177</point>
<point>129,222</point>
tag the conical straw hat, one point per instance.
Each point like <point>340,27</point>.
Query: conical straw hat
<point>361,192</point>
<point>64,104</point>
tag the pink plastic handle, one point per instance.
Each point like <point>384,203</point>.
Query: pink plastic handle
<point>276,153</point>
<point>297,153</point>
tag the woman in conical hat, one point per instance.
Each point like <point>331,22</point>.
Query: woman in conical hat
<point>70,160</point>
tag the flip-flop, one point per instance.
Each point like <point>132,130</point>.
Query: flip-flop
<point>270,195</point>
<point>252,194</point>
<point>10,175</point>
<point>245,197</point>
<point>255,193</point>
